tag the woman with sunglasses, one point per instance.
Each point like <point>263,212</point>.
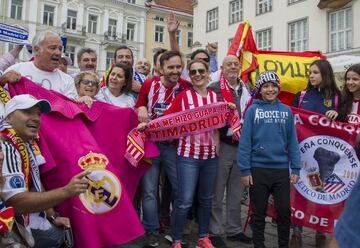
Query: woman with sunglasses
<point>197,160</point>
<point>118,87</point>
<point>87,86</point>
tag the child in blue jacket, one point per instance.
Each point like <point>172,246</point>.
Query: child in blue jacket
<point>268,146</point>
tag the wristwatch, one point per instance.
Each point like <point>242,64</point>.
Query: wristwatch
<point>53,217</point>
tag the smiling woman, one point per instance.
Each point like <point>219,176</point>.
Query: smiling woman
<point>118,86</point>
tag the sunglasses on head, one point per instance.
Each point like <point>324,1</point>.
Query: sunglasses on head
<point>194,71</point>
<point>207,60</point>
<point>89,82</point>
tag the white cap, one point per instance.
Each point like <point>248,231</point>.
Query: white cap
<point>25,101</point>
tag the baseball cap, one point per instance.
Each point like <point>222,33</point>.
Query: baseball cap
<point>25,101</point>
<point>266,77</point>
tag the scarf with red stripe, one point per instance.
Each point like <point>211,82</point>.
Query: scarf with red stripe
<point>181,124</point>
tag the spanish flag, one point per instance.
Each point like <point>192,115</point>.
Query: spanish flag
<point>291,67</point>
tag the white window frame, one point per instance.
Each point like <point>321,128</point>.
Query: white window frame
<point>92,24</point>
<point>130,32</point>
<point>212,19</point>
<point>71,52</point>
<point>263,6</point>
<point>131,1</point>
<point>178,37</point>
<point>291,2</point>
<point>190,39</point>
<point>18,9</point>
<point>112,27</point>
<point>298,35</point>
<point>71,20</point>
<point>48,15</point>
<point>340,30</point>
<point>264,39</point>
<point>159,34</point>
<point>109,59</point>
<point>235,11</point>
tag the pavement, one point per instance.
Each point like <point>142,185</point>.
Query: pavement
<point>270,236</point>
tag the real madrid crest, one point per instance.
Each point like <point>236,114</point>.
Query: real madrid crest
<point>104,190</point>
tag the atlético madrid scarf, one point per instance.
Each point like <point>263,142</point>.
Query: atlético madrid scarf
<point>184,123</point>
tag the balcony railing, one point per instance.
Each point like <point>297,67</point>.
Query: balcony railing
<point>74,29</point>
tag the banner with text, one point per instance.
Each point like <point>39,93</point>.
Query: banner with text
<point>329,170</point>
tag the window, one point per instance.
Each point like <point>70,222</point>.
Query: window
<point>71,19</point>
<point>130,32</point>
<point>298,36</point>
<point>190,39</point>
<point>112,27</point>
<point>159,18</point>
<point>212,21</point>
<point>294,1</point>
<point>236,11</point>
<point>48,18</point>
<point>340,30</point>
<point>109,59</point>
<point>178,37</point>
<point>16,9</point>
<point>263,6</point>
<point>159,34</point>
<point>263,39</point>
<point>70,50</point>
<point>132,1</point>
<point>92,24</point>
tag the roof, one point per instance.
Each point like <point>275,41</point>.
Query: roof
<point>183,5</point>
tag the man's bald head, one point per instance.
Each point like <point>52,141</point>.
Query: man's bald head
<point>231,68</point>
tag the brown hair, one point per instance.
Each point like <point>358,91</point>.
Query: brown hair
<point>328,85</point>
<point>347,96</point>
<point>128,77</point>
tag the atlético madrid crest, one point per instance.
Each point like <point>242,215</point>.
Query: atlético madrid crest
<point>329,169</point>
<point>104,190</point>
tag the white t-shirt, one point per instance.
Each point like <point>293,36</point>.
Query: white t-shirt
<point>56,80</point>
<point>124,100</point>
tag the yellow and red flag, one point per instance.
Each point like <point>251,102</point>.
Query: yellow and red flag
<point>6,219</point>
<point>291,67</point>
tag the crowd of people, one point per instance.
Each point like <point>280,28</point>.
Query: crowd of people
<point>196,171</point>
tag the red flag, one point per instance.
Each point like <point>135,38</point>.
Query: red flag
<point>243,46</point>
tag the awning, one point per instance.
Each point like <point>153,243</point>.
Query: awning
<point>332,4</point>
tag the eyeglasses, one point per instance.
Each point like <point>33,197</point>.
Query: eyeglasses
<point>89,82</point>
<point>194,71</point>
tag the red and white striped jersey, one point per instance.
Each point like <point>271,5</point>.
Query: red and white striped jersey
<point>156,97</point>
<point>354,116</point>
<point>199,146</point>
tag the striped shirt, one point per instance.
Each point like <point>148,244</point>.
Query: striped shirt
<point>156,97</point>
<point>199,146</point>
<point>354,116</point>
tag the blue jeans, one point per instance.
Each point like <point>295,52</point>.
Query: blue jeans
<point>190,173</point>
<point>150,185</point>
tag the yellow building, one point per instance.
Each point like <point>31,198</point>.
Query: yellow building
<point>157,35</point>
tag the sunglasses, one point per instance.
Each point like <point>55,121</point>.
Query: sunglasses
<point>89,82</point>
<point>194,71</point>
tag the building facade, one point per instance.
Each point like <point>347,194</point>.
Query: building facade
<point>156,29</point>
<point>330,26</point>
<point>100,25</point>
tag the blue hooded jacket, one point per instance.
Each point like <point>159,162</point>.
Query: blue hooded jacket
<point>268,138</point>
